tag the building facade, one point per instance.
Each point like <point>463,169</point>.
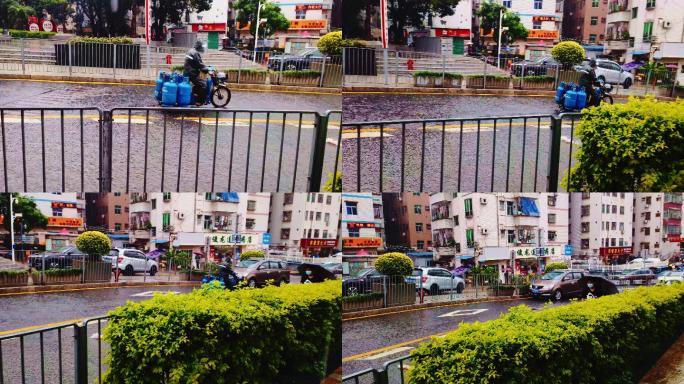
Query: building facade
<point>309,20</point>
<point>585,20</point>
<point>601,226</point>
<point>657,224</point>
<point>542,23</point>
<point>65,213</point>
<point>305,222</point>
<point>407,220</point>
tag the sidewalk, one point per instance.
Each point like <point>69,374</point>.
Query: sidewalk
<point>669,369</point>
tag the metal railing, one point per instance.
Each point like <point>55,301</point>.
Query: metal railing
<point>392,372</point>
<point>170,149</point>
<point>55,354</point>
<point>525,153</point>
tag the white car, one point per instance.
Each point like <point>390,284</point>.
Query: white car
<point>670,277</point>
<point>129,261</point>
<point>612,73</point>
<point>435,280</point>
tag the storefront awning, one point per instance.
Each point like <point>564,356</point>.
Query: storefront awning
<point>419,254</point>
<point>159,241</point>
<point>465,257</point>
<point>528,207</point>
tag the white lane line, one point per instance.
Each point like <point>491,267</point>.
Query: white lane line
<point>463,312</point>
<point>364,134</point>
<point>388,353</point>
<point>150,293</point>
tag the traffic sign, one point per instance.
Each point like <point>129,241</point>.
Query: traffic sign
<point>266,238</point>
<point>567,250</point>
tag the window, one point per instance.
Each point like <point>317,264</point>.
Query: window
<point>251,205</point>
<point>419,227</point>
<point>56,211</point>
<point>326,218</point>
<point>325,233</point>
<point>613,226</point>
<point>631,42</point>
<point>552,218</point>
<point>592,37</point>
<point>585,244</point>
<point>594,3</point>
<point>585,227</point>
<point>320,198</point>
<point>353,232</point>
<point>166,196</point>
<point>468,203</point>
<point>456,220</point>
<point>622,209</point>
<point>648,30</point>
<point>117,226</point>
<point>288,198</point>
<point>538,4</point>
<point>612,242</point>
<point>418,209</point>
<point>647,231</point>
<point>207,222</point>
<point>318,216</point>
<point>507,3</point>
<point>509,208</point>
<point>470,237</point>
<point>300,14</point>
<point>328,200</point>
<point>311,215</point>
<point>287,216</point>
<point>635,12</point>
<point>166,219</point>
<point>351,207</point>
<point>622,227</point>
<point>117,209</point>
<point>552,200</point>
<point>585,210</point>
<point>154,203</point>
<point>511,236</point>
<point>594,21</point>
<point>552,235</point>
<point>420,244</point>
<point>285,233</point>
<point>614,208</point>
<point>536,24</point>
<point>316,233</point>
<point>650,3</point>
<point>250,223</point>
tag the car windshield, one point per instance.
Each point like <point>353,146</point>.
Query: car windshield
<point>363,272</point>
<point>543,60</point>
<point>553,275</point>
<point>65,249</point>
<point>665,273</point>
<point>417,272</point>
<point>310,51</point>
<point>246,263</point>
<point>677,274</point>
<point>330,266</point>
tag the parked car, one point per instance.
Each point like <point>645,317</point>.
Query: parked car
<point>361,283</point>
<point>60,258</point>
<point>639,276</point>
<point>129,261</point>
<point>436,280</point>
<point>560,284</point>
<point>257,272</point>
<point>669,277</point>
<point>333,267</point>
<point>611,72</point>
<point>300,61</point>
<point>538,67</point>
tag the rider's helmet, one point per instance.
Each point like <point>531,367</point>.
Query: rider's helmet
<point>199,46</point>
<point>592,63</point>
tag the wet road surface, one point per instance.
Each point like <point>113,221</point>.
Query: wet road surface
<point>370,342</point>
<point>244,147</point>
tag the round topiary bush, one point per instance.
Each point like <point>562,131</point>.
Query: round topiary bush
<point>394,264</point>
<point>331,43</point>
<point>93,243</point>
<point>568,53</point>
<point>554,266</point>
<point>252,254</point>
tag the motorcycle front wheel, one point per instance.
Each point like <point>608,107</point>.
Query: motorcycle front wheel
<point>607,99</point>
<point>220,96</point>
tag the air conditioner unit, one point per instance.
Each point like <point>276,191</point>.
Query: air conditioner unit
<point>667,24</point>
<point>483,200</point>
<point>181,215</point>
<point>483,231</point>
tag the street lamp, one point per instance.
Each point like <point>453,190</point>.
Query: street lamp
<point>256,32</point>
<point>501,29</point>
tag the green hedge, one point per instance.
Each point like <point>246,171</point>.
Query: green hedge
<point>246,70</point>
<point>636,146</point>
<point>437,74</point>
<point>609,340</point>
<point>270,335</point>
<point>554,266</point>
<point>302,73</point>
<point>13,272</point>
<point>21,34</point>
<point>489,77</point>
<point>361,298</point>
<point>62,272</point>
<point>178,67</point>
<point>105,40</point>
<point>536,79</point>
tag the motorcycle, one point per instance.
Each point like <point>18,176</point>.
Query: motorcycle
<point>572,97</point>
<point>173,89</point>
<point>225,276</point>
<point>218,92</point>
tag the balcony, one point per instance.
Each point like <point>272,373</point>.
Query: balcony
<point>140,206</point>
<point>618,6</point>
<point>141,234</point>
<point>221,206</point>
<point>617,45</point>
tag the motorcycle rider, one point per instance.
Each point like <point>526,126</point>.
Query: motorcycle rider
<point>587,81</point>
<point>192,67</point>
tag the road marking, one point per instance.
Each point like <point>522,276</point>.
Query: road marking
<point>391,347</point>
<point>179,284</point>
<point>388,353</point>
<point>95,336</point>
<point>550,95</point>
<point>364,134</point>
<point>464,312</point>
<point>151,293</point>
<point>48,325</point>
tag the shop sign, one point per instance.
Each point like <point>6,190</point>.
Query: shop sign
<point>522,252</point>
<point>308,7</point>
<point>59,221</point>
<point>232,239</point>
<point>33,27</point>
<point>355,225</point>
<point>542,34</point>
<point>670,238</point>
<point>218,27</point>
<point>61,204</point>
<point>452,32</point>
<point>318,243</point>
<point>544,18</point>
<point>47,26</point>
<point>615,251</point>
<point>308,24</point>
<point>361,242</point>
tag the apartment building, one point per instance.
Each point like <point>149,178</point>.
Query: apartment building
<point>601,225</point>
<point>407,220</point>
<point>108,212</point>
<point>309,20</point>
<point>448,35</point>
<point>361,212</point>
<point>657,224</point>
<point>585,20</point>
<point>64,212</point>
<point>641,30</point>
<point>224,222</point>
<point>518,232</point>
<point>305,222</point>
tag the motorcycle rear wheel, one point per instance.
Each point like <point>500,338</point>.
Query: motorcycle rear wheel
<point>220,96</point>
<point>607,99</point>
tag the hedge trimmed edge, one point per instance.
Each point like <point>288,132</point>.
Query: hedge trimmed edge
<point>609,340</point>
<point>288,334</point>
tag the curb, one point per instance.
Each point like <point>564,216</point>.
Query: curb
<point>233,86</point>
<point>88,286</point>
<point>403,308</point>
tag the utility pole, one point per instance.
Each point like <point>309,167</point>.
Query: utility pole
<point>11,199</point>
<point>498,56</point>
<point>256,32</point>
<point>236,235</point>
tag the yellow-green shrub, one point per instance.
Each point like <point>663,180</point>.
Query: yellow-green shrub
<point>553,266</point>
<point>288,334</point>
<point>394,264</point>
<point>609,340</point>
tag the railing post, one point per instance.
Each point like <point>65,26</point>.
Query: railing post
<point>70,54</point>
<point>380,376</point>
<point>114,60</point>
<point>239,68</point>
<point>83,268</point>
<point>396,67</point>
<point>344,66</point>
<point>384,291</point>
<point>42,272</point>
<point>106,135</point>
<point>443,68</point>
<point>280,73</point>
<point>81,353</point>
<point>554,156</point>
<point>147,62</point>
<point>323,71</point>
<point>23,58</point>
<point>318,152</point>
<point>385,64</point>
<point>484,78</point>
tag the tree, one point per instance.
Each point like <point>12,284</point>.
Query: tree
<point>14,13</point>
<point>356,18</point>
<point>337,180</point>
<point>275,20</point>
<point>489,22</point>
<point>568,53</point>
<point>172,11</point>
<point>413,13</point>
<point>94,243</point>
<point>108,18</point>
<point>394,264</point>
<point>32,217</point>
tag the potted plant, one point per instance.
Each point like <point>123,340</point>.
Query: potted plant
<point>95,244</point>
<point>362,302</point>
<point>501,289</point>
<point>305,77</point>
<point>395,266</point>
<point>99,52</point>
<point>488,81</point>
<point>425,79</point>
<point>62,276</point>
<point>13,277</point>
<point>452,80</point>
<point>536,82</point>
<point>246,75</point>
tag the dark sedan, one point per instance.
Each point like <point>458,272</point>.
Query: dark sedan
<point>301,61</point>
<point>361,283</point>
<point>639,276</point>
<point>61,258</point>
<point>533,68</point>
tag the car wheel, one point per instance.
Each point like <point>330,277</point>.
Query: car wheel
<point>153,270</point>
<point>627,83</point>
<point>351,291</point>
<point>434,289</point>
<point>608,99</point>
<point>129,270</point>
<point>558,295</point>
<point>251,283</point>
<point>307,281</point>
<point>291,67</point>
<point>460,288</point>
